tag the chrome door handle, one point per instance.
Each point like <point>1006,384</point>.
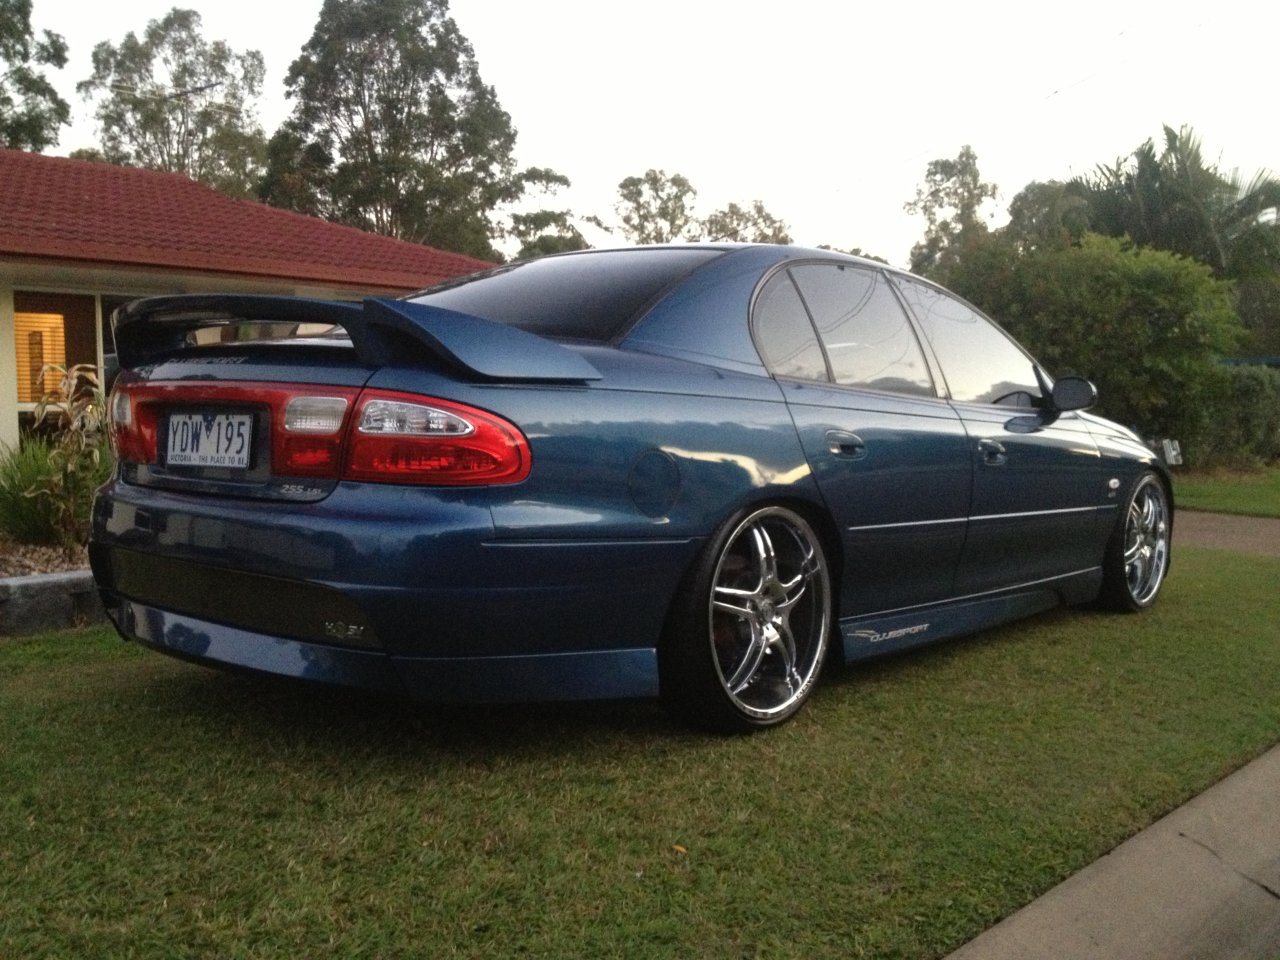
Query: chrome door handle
<point>845,445</point>
<point>992,451</point>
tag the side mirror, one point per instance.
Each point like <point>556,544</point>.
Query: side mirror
<point>1073,393</point>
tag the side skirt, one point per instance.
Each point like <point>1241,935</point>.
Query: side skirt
<point>879,633</point>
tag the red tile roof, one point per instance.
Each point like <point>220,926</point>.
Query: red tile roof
<point>76,210</point>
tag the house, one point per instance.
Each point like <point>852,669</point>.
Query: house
<point>78,239</point>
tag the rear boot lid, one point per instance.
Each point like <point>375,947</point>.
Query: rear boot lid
<point>255,396</point>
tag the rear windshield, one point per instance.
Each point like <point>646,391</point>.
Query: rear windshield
<point>583,296</point>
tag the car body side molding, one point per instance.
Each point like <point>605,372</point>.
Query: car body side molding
<point>896,630</point>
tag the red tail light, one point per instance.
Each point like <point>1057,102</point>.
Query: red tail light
<point>403,438</point>
<point>309,438</point>
<point>344,433</point>
<point>132,425</point>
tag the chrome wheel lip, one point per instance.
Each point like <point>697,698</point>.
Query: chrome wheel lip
<point>1146,542</point>
<point>787,578</point>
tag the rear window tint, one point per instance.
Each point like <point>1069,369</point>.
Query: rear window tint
<point>582,296</point>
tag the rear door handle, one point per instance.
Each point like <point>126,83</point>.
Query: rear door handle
<point>845,445</point>
<point>993,452</point>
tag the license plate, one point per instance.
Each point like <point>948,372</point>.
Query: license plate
<point>210,439</point>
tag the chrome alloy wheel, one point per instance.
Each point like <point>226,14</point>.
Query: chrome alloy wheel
<point>769,613</point>
<point>1146,541</point>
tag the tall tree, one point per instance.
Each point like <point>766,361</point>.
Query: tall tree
<point>173,101</point>
<point>1047,215</point>
<point>544,232</point>
<point>418,146</point>
<point>745,225</point>
<point>656,208</point>
<point>299,173</point>
<point>950,201</point>
<point>30,109</point>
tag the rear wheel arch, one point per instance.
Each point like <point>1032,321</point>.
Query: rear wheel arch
<point>833,548</point>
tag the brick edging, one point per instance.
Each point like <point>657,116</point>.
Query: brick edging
<point>48,601</point>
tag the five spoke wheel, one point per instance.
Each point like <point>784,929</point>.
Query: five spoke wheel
<point>1146,542</point>
<point>764,622</point>
<point>1138,555</point>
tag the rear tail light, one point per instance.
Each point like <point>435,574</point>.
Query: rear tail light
<point>338,433</point>
<point>314,414</point>
<point>310,441</point>
<point>402,438</point>
<point>132,425</point>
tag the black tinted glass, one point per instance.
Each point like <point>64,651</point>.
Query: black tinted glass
<point>868,338</point>
<point>586,296</point>
<point>788,346</point>
<point>981,364</point>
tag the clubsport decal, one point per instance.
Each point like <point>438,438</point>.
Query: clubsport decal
<point>871,636</point>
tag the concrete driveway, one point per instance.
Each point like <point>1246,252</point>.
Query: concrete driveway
<point>1260,535</point>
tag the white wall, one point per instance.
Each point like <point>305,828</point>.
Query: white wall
<point>8,372</point>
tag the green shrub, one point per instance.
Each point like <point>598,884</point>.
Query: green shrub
<point>1146,326</point>
<point>25,518</point>
<point>28,516</point>
<point>76,461</point>
<point>1241,419</point>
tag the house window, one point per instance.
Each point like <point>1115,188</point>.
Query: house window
<point>57,328</point>
<point>41,340</point>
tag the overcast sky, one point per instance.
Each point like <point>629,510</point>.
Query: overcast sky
<point>828,112</point>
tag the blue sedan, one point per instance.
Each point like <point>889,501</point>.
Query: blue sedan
<point>698,472</point>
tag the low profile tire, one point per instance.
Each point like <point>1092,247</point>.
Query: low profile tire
<point>1138,553</point>
<point>749,627</point>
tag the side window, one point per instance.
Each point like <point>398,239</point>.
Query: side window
<point>979,361</point>
<point>868,338</point>
<point>784,335</point>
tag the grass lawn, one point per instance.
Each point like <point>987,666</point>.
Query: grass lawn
<point>156,809</point>
<point>1254,494</point>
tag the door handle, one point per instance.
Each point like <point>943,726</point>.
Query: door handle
<point>993,452</point>
<point>845,445</point>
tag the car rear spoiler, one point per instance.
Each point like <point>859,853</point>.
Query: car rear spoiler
<point>383,332</point>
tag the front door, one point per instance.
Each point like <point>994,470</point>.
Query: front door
<point>1036,474</point>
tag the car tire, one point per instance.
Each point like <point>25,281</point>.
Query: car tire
<point>1138,552</point>
<point>749,627</point>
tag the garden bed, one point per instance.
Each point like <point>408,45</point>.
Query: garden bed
<point>24,559</point>
<point>42,588</point>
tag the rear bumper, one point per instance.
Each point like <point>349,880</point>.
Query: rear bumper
<point>216,644</point>
<point>384,589</point>
<point>588,675</point>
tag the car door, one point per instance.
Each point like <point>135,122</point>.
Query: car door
<point>889,456</point>
<point>1037,474</point>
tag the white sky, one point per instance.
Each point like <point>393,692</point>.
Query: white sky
<point>827,111</point>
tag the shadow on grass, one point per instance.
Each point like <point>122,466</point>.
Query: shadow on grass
<point>219,704</point>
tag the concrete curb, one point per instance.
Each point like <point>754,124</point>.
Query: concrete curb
<point>48,601</point>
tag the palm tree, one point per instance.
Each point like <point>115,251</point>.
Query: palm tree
<point>1174,200</point>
